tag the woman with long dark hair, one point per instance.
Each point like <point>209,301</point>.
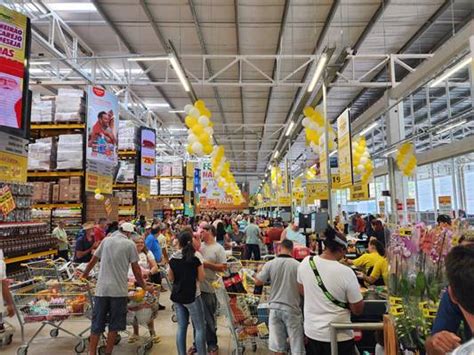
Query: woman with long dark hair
<point>220,233</point>
<point>186,270</point>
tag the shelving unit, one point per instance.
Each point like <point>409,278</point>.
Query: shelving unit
<point>56,174</point>
<point>30,256</point>
<point>57,126</point>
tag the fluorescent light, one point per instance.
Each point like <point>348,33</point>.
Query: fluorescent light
<point>148,59</point>
<point>368,129</point>
<point>176,111</point>
<point>177,129</point>
<point>39,63</point>
<point>451,71</point>
<point>391,151</point>
<point>451,126</point>
<point>332,153</point>
<point>276,154</point>
<point>179,71</point>
<point>318,72</point>
<point>72,6</point>
<point>290,128</point>
<point>157,104</point>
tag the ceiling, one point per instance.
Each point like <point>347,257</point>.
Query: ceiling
<point>251,116</point>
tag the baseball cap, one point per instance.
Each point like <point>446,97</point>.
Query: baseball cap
<point>127,227</point>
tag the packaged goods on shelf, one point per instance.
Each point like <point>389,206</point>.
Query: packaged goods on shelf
<point>165,187</point>
<point>22,196</point>
<point>68,189</point>
<point>21,238</point>
<point>69,152</point>
<point>42,109</point>
<point>126,172</point>
<point>125,198</point>
<point>177,168</point>
<point>42,154</point>
<point>163,168</point>
<point>70,105</point>
<point>176,186</point>
<point>154,187</point>
<point>127,136</point>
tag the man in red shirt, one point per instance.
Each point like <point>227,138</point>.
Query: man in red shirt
<point>99,230</point>
<point>103,127</point>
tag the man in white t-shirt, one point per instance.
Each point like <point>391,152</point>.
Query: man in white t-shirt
<point>331,293</point>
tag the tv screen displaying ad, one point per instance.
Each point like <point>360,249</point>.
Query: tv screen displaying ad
<point>147,152</point>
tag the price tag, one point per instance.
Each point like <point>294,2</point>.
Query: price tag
<point>7,203</point>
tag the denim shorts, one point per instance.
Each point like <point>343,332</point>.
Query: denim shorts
<point>111,311</point>
<point>286,328</point>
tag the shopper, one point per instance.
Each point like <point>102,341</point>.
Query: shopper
<point>285,318</point>
<point>367,261</point>
<point>214,261</point>
<point>460,272</point>
<point>6,300</point>
<point>186,270</point>
<point>220,233</point>
<point>444,221</point>
<point>381,232</point>
<point>445,334</point>
<point>148,267</point>
<point>115,254</point>
<point>331,293</point>
<point>100,230</point>
<point>252,240</point>
<point>345,222</point>
<point>85,244</point>
<point>112,227</point>
<point>63,244</point>
<point>152,245</point>
<point>292,232</point>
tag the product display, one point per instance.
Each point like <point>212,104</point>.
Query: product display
<point>42,109</point>
<point>70,151</point>
<point>126,172</point>
<point>70,105</point>
<point>127,136</point>
<point>42,154</point>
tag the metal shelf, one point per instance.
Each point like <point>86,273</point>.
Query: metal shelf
<point>127,153</point>
<point>52,126</point>
<point>55,173</point>
<point>170,177</point>
<point>169,196</point>
<point>40,254</point>
<point>49,206</point>
<point>124,186</point>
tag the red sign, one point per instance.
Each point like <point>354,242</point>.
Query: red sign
<point>98,91</point>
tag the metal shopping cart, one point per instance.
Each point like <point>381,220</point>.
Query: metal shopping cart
<point>59,269</point>
<point>50,303</point>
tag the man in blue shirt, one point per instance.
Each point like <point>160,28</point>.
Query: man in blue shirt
<point>153,245</point>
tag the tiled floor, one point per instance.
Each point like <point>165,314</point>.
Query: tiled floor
<point>63,344</point>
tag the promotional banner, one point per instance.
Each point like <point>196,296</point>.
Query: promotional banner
<point>102,125</point>
<point>316,191</point>
<point>7,203</point>
<point>14,50</point>
<point>13,158</point>
<point>99,176</point>
<point>147,152</point>
<point>344,149</point>
<point>197,182</point>
<point>359,192</point>
<point>143,187</point>
<point>445,205</point>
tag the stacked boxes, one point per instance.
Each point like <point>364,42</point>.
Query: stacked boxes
<point>42,192</point>
<point>125,198</point>
<point>127,136</point>
<point>43,109</point>
<point>70,105</point>
<point>41,155</point>
<point>126,172</point>
<point>70,151</point>
<point>67,190</point>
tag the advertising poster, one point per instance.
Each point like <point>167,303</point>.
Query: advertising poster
<point>7,203</point>
<point>445,205</point>
<point>102,125</point>
<point>316,191</point>
<point>13,55</point>
<point>99,176</point>
<point>359,192</point>
<point>147,152</point>
<point>344,149</point>
<point>13,158</point>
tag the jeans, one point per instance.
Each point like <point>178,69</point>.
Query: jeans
<point>253,249</point>
<point>209,301</point>
<point>195,311</point>
<point>285,325</point>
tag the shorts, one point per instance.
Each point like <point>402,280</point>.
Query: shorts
<point>111,311</point>
<point>286,328</point>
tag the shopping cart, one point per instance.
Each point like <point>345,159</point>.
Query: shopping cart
<point>6,337</point>
<point>59,269</point>
<point>247,318</point>
<point>50,303</point>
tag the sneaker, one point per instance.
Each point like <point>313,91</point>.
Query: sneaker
<point>161,307</point>
<point>191,351</point>
<point>133,339</point>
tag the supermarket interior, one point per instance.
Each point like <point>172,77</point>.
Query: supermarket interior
<point>236,176</point>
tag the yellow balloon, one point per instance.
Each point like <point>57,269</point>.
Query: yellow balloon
<point>318,118</point>
<point>204,139</point>
<point>207,149</point>
<point>199,104</point>
<point>97,191</point>
<point>197,129</point>
<point>189,149</point>
<point>308,111</point>
<point>405,148</point>
<point>190,121</point>
<point>311,135</point>
<point>207,113</point>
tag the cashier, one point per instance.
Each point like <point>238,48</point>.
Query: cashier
<point>367,261</point>
<point>375,264</point>
<point>85,244</point>
<point>445,332</point>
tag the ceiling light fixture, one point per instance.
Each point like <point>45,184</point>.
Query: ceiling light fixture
<point>317,73</point>
<point>157,104</point>
<point>176,111</point>
<point>39,63</point>
<point>451,71</point>
<point>451,126</point>
<point>276,154</point>
<point>148,59</point>
<point>333,153</point>
<point>72,6</point>
<point>368,128</point>
<point>180,73</point>
<point>290,128</point>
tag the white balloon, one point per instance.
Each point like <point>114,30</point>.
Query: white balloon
<point>305,122</point>
<point>197,148</point>
<point>194,112</point>
<point>188,108</point>
<point>363,160</point>
<point>192,138</point>
<point>366,154</point>
<point>204,120</point>
<point>209,130</point>
<point>360,168</point>
<point>97,196</point>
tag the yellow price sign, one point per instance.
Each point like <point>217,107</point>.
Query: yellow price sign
<point>96,181</point>
<point>359,192</point>
<point>284,200</point>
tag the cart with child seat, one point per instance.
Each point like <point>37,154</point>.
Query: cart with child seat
<point>58,269</point>
<point>50,303</point>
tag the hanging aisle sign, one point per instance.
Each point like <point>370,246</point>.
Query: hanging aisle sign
<point>316,191</point>
<point>359,192</point>
<point>344,150</point>
<point>99,176</point>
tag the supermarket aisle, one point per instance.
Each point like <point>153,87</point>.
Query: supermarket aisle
<point>165,328</point>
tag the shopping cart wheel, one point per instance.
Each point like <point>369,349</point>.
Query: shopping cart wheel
<point>101,350</point>
<point>118,339</point>
<point>54,333</point>
<point>80,347</point>
<point>22,350</point>
<point>174,318</point>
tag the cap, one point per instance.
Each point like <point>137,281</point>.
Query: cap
<point>127,227</point>
<point>88,225</point>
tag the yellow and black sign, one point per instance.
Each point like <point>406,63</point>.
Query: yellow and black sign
<point>359,192</point>
<point>316,191</point>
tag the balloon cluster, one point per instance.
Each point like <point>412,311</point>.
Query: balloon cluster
<point>406,159</point>
<point>200,131</point>
<point>225,179</point>
<point>259,198</point>
<point>142,197</point>
<point>311,173</point>
<point>362,164</point>
<point>266,191</point>
<point>314,124</point>
<point>98,195</point>
<point>276,177</point>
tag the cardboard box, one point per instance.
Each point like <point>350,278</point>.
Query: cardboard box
<point>75,181</point>
<point>64,193</point>
<point>75,196</point>
<point>55,195</point>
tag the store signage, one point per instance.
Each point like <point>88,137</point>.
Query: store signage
<point>359,192</point>
<point>7,203</point>
<point>13,158</point>
<point>336,179</point>
<point>188,210</point>
<point>14,52</point>
<point>99,176</point>
<point>108,206</point>
<point>197,181</point>
<point>445,205</point>
<point>102,125</point>
<point>284,200</point>
<point>147,152</point>
<point>323,169</point>
<point>143,186</point>
<point>316,191</point>
<point>344,149</point>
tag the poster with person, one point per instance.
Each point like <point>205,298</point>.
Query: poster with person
<point>102,125</point>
